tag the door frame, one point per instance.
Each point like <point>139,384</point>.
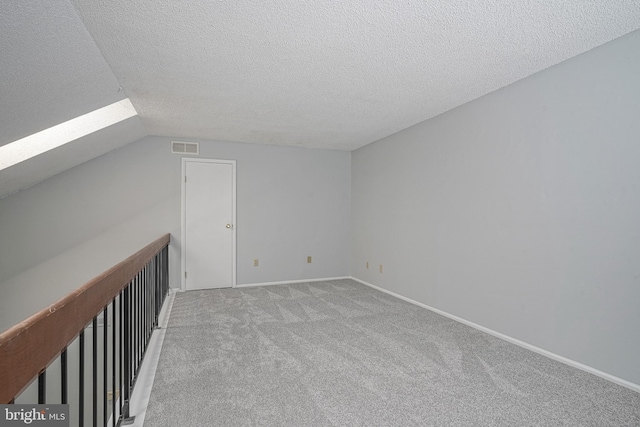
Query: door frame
<point>185,160</point>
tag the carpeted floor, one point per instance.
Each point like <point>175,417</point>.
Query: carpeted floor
<point>342,354</point>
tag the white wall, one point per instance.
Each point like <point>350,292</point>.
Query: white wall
<point>519,211</point>
<point>292,202</point>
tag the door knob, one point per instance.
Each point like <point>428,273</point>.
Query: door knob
<point>228,225</point>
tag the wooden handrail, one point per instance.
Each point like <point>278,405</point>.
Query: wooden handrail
<point>30,346</point>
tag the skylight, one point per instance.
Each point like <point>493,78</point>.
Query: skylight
<point>55,136</point>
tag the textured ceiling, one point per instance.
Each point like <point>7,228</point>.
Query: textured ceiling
<point>52,71</point>
<point>318,74</point>
<point>330,74</point>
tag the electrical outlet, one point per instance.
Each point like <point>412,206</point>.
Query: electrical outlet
<point>255,262</point>
<point>308,260</point>
<point>380,268</point>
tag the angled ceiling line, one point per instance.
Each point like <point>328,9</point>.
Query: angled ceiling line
<point>99,48</point>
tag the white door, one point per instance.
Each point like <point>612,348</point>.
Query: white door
<point>208,226</point>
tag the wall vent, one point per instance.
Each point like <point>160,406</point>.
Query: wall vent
<point>179,147</point>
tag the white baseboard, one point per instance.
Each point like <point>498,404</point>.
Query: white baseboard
<point>288,282</point>
<point>562,359</point>
<point>146,376</point>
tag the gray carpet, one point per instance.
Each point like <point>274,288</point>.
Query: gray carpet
<point>342,354</point>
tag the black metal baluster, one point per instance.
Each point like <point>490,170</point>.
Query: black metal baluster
<point>64,394</point>
<point>113,363</point>
<point>105,365</point>
<point>158,281</point>
<point>42,387</point>
<point>162,271</point>
<point>166,270</point>
<point>154,279</point>
<point>156,299</point>
<point>145,310</point>
<point>139,324</point>
<point>130,352</point>
<point>81,382</point>
<point>135,344</point>
<point>143,313</point>
<point>120,353</point>
<point>132,336</point>
<point>94,352</point>
<point>134,332</point>
<point>147,282</point>
<point>126,351</point>
<point>153,303</point>
<point>152,282</point>
<point>153,285</point>
<point>146,317</point>
<point>132,329</point>
<point>142,316</point>
<point>160,293</point>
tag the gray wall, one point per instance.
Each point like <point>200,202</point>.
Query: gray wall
<point>291,202</point>
<point>519,211</point>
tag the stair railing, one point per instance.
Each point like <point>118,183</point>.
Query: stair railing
<point>91,342</point>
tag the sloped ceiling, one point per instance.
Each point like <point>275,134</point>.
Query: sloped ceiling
<point>52,71</point>
<point>332,74</point>
<point>319,74</point>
